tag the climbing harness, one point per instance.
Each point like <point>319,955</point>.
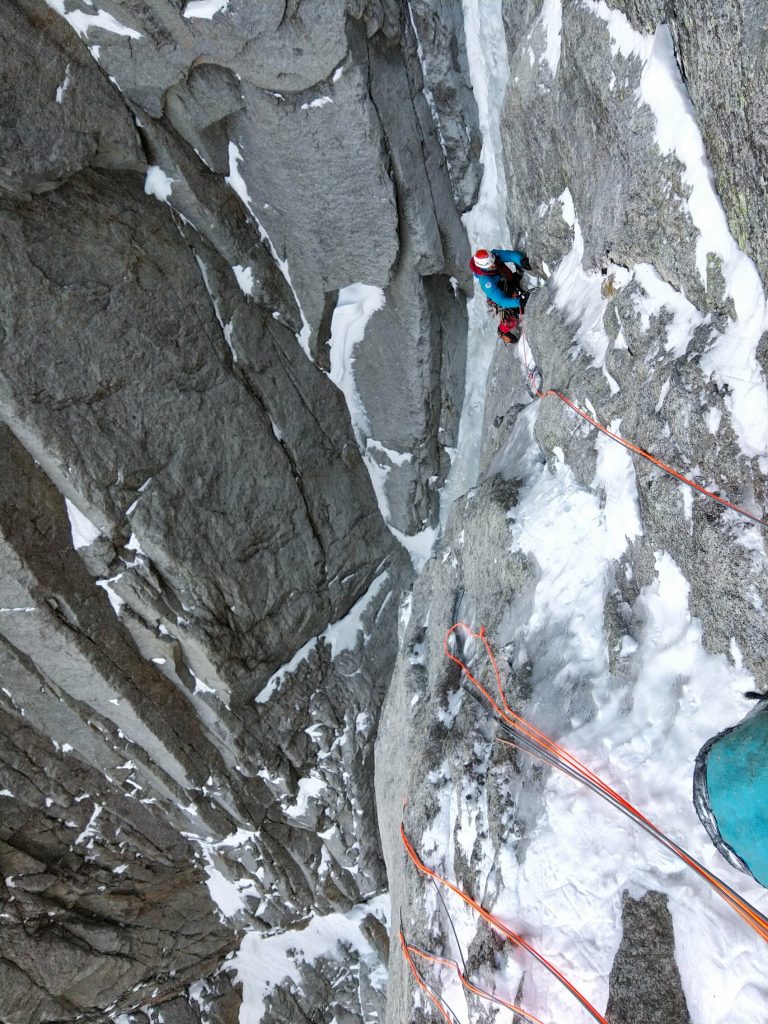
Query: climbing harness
<point>534,383</point>
<point>526,737</point>
<point>510,320</point>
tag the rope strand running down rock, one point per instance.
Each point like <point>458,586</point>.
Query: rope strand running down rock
<point>532,373</point>
<point>529,739</point>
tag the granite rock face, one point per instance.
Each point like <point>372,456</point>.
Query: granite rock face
<point>199,586</point>
<point>203,600</point>
<point>722,50</point>
<point>592,195</point>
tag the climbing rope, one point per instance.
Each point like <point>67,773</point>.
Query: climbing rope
<point>528,738</point>
<point>423,984</point>
<point>476,990</point>
<point>498,926</point>
<point>532,373</point>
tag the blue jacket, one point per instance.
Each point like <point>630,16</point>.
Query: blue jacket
<point>493,284</point>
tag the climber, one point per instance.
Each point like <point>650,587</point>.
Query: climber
<point>502,285</point>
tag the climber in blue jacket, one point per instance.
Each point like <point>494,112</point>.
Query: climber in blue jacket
<point>502,284</point>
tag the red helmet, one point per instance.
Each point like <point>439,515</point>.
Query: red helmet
<point>484,259</point>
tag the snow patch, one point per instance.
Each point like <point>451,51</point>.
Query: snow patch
<point>660,295</point>
<point>712,418</point>
<point>82,23</point>
<point>205,8</point>
<point>158,184</point>
<point>264,961</point>
<point>321,101</point>
<point>355,306</point>
<point>579,295</point>
<point>552,19</point>
<point>244,276</point>
<point>83,531</point>
<point>340,636</point>
<point>89,832</point>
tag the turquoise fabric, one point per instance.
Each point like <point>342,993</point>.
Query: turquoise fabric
<point>737,785</point>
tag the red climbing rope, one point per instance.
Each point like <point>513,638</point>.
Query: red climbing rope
<point>448,962</point>
<point>421,982</point>
<point>499,926</point>
<point>552,393</point>
<point>528,738</point>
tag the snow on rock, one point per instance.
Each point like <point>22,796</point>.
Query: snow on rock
<point>262,962</point>
<point>158,184</point>
<point>205,8</point>
<point>244,276</point>
<point>355,306</point>
<point>341,635</point>
<point>608,647</point>
<point>580,294</point>
<point>237,183</point>
<point>660,295</point>
<point>84,532</point>
<point>552,19</point>
<point>732,359</point>
<point>82,22</point>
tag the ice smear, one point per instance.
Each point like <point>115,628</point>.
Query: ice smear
<point>205,8</point>
<point>237,183</point>
<point>83,531</point>
<point>355,306</point>
<point>64,85</point>
<point>341,635</point>
<point>82,23</point>
<point>264,961</point>
<point>486,226</point>
<point>158,184</point>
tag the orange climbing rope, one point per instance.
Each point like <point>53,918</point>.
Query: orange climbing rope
<point>499,926</point>
<point>481,992</point>
<point>552,393</point>
<point>421,982</point>
<point>528,738</point>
